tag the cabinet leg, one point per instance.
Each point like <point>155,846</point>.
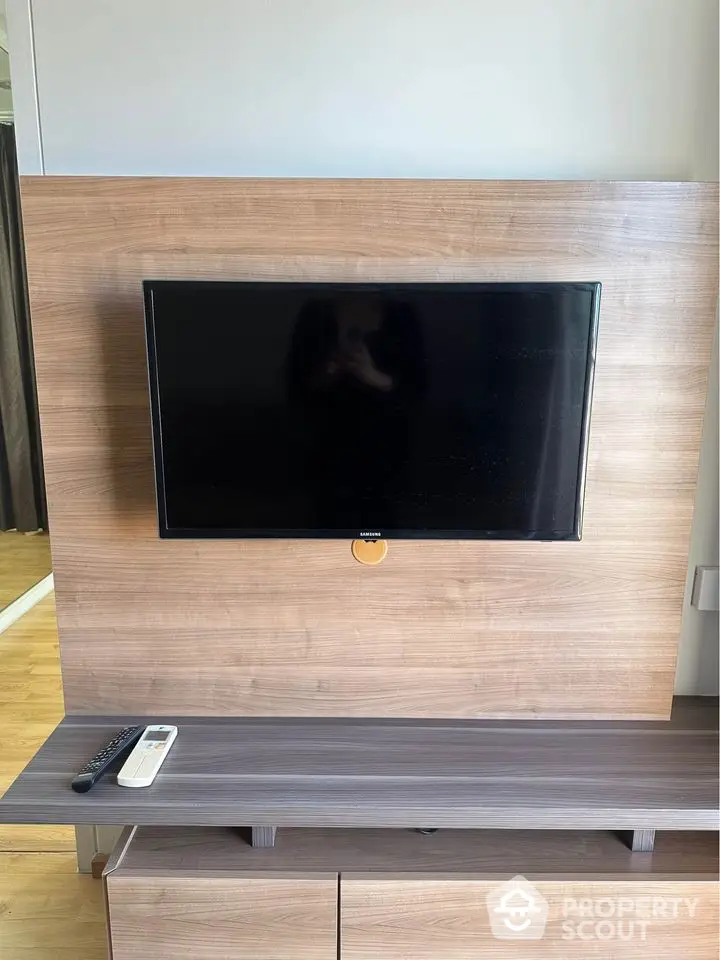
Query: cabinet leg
<point>639,841</point>
<point>263,836</point>
<point>86,847</point>
<point>91,841</point>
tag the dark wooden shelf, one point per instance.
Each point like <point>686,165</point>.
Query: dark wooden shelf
<point>405,773</point>
<point>556,854</point>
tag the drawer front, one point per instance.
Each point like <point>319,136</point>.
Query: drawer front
<point>213,918</point>
<point>448,919</point>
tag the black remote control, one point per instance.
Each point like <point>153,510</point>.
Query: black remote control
<point>86,778</point>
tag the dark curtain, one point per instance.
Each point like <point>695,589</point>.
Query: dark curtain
<point>22,494</point>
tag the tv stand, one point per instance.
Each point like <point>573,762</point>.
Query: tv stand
<point>325,894</point>
<point>486,774</point>
<point>332,862</point>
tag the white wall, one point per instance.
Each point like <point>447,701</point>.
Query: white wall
<point>698,656</point>
<point>24,87</point>
<point>378,88</point>
<point>3,27</point>
<point>5,95</point>
<point>382,88</point>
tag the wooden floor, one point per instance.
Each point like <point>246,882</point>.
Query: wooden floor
<point>46,909</point>
<point>24,560</point>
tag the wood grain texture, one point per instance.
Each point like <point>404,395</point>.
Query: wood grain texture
<point>48,911</point>
<point>24,560</point>
<point>393,773</point>
<point>252,918</point>
<point>403,895</point>
<point>263,836</point>
<point>639,841</point>
<point>426,918</point>
<point>31,705</point>
<point>497,854</point>
<point>298,628</point>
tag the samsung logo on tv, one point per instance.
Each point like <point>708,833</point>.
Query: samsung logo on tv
<point>370,535</point>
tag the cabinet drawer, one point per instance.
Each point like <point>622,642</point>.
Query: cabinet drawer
<point>213,918</point>
<point>448,919</point>
<point>203,894</point>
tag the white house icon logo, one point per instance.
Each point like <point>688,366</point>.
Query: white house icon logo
<point>517,911</point>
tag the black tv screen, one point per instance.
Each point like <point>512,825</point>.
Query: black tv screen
<point>398,410</point>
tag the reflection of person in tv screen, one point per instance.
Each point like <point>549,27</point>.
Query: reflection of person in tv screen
<point>352,357</point>
<point>355,376</point>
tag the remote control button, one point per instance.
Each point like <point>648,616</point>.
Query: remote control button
<point>96,767</point>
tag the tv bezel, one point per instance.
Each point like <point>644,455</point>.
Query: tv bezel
<point>167,532</point>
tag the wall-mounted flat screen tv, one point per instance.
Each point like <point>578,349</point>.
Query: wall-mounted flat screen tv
<point>371,410</point>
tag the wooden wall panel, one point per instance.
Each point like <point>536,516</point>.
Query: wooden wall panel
<point>468,629</point>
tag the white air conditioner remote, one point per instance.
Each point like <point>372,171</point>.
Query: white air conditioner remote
<point>141,767</point>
